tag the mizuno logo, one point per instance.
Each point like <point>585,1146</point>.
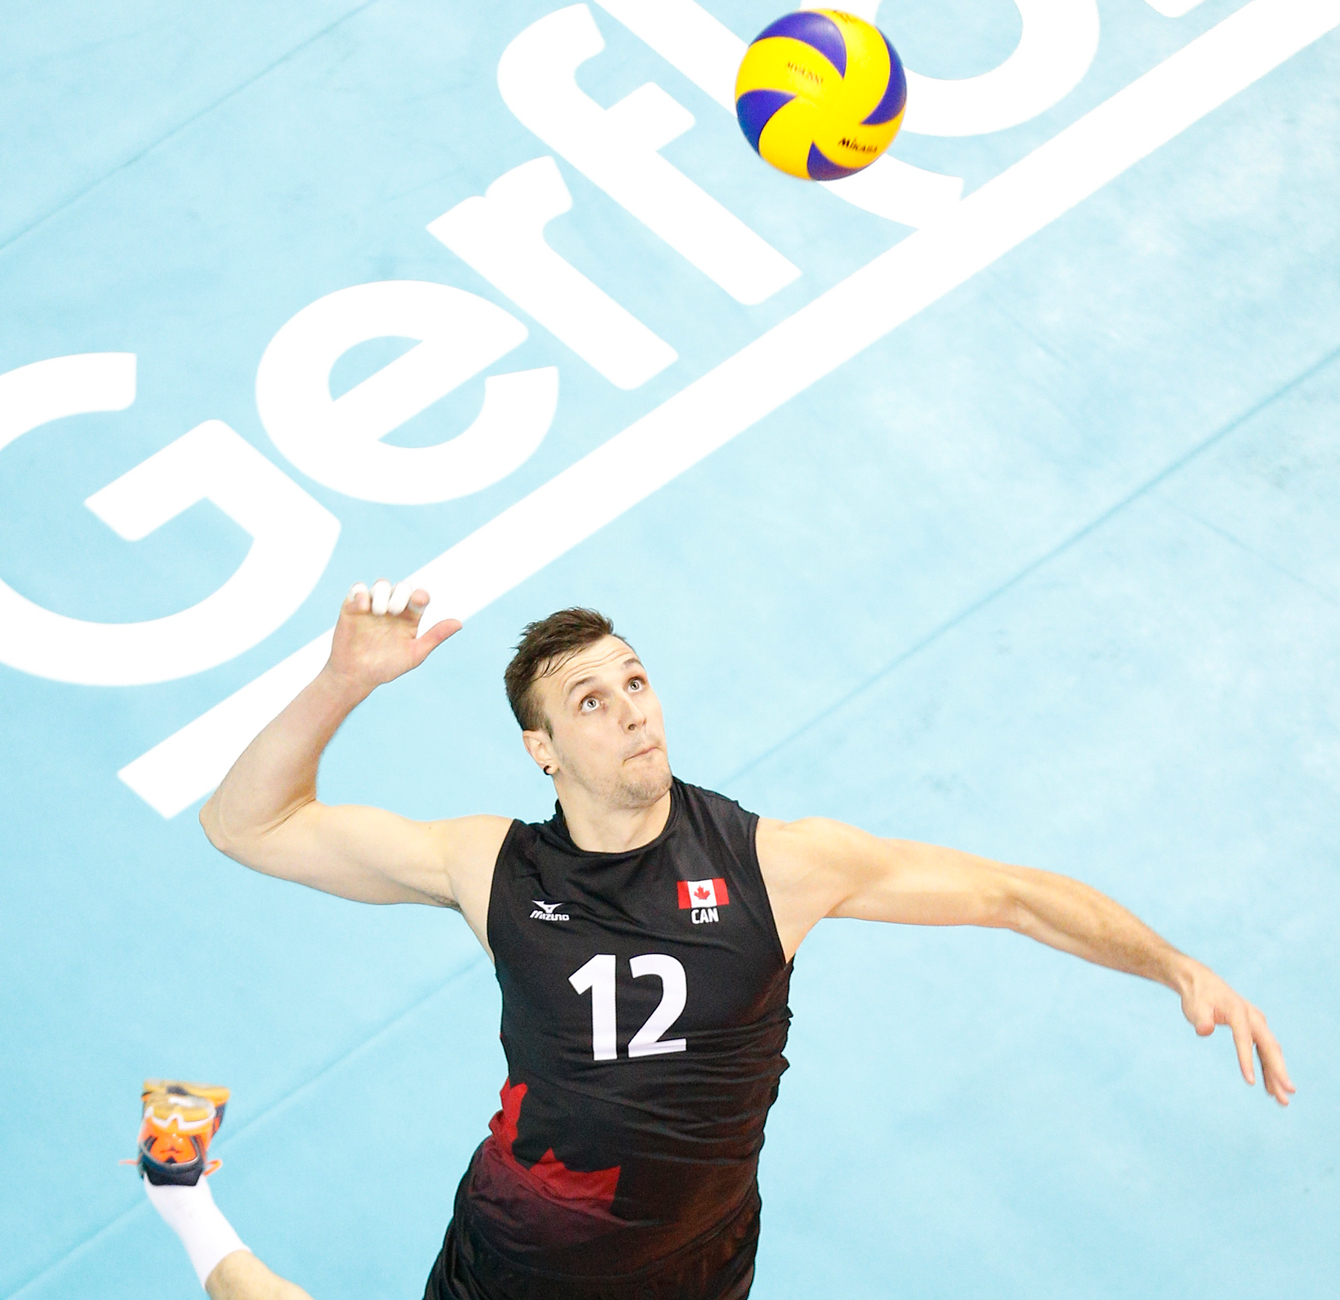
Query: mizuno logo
<point>548,911</point>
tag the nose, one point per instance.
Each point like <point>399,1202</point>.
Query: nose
<point>634,717</point>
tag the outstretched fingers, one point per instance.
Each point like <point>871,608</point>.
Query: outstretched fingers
<point>384,599</point>
<point>1242,1040</point>
<point>381,633</point>
<point>402,601</point>
<point>399,598</point>
<point>1273,1070</point>
<point>1209,1002</point>
<point>416,603</point>
<point>438,633</point>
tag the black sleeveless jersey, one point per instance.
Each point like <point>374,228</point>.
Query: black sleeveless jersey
<point>644,1013</point>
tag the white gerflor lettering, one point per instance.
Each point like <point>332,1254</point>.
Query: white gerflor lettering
<point>500,235</point>
<point>548,911</point>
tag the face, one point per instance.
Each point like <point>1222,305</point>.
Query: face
<point>608,737</point>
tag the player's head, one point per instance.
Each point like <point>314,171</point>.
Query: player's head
<point>587,712</point>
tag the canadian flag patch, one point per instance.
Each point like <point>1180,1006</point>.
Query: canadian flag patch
<point>703,893</point>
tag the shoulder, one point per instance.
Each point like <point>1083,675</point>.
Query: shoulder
<point>806,867</point>
<point>466,850</point>
<point>717,819</point>
<point>480,831</point>
<point>807,845</point>
<point>807,840</point>
<point>712,804</point>
<point>469,844</point>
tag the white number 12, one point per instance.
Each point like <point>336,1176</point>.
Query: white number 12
<point>598,975</point>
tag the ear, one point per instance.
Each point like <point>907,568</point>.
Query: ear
<point>539,745</point>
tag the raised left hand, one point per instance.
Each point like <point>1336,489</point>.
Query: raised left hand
<point>1207,1002</point>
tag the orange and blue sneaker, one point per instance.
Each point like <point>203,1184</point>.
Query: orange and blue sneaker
<point>211,1092</point>
<point>180,1119</point>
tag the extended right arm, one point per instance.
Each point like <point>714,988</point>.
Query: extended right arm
<point>266,815</point>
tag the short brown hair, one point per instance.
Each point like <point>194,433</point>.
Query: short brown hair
<point>544,647</point>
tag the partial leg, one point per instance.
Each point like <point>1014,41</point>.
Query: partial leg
<point>241,1276</point>
<point>180,1120</point>
<point>226,1268</point>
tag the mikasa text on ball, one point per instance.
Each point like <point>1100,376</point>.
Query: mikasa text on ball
<point>820,94</point>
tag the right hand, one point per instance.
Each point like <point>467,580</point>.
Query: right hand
<point>376,638</point>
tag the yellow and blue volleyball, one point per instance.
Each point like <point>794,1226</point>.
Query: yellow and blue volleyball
<point>820,94</point>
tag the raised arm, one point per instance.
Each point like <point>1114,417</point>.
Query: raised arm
<point>818,868</point>
<point>266,815</point>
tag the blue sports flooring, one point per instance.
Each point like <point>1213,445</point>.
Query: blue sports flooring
<point>1051,571</point>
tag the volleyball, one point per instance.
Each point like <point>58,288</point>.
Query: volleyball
<point>820,94</point>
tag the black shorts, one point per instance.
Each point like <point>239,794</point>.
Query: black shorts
<point>719,1266</point>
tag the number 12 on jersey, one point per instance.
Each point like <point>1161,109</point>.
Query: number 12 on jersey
<point>598,976</point>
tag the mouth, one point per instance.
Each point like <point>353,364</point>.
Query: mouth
<point>642,753</point>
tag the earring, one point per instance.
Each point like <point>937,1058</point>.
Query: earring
<point>548,771</point>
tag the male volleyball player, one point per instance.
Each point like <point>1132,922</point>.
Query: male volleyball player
<point>642,940</point>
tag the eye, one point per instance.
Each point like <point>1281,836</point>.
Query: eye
<point>589,703</point>
<point>636,684</point>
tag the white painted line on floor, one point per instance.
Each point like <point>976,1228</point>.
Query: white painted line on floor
<point>791,356</point>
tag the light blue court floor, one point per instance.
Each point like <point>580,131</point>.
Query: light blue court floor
<point>1024,539</point>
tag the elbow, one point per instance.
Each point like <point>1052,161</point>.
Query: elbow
<point>212,824</point>
<point>1028,901</point>
<point>251,845</point>
<point>1005,904</point>
<point>209,823</point>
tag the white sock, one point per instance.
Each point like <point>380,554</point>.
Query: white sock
<point>191,1213</point>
